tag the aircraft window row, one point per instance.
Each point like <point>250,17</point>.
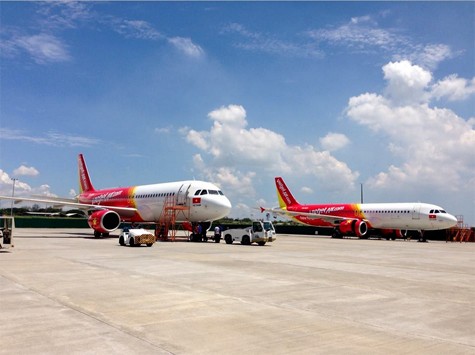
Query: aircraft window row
<point>164,194</point>
<point>437,211</point>
<point>211,192</point>
<point>386,211</point>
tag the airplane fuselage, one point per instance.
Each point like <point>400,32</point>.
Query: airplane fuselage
<point>193,201</point>
<point>410,216</point>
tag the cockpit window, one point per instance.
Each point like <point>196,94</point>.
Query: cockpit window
<point>211,192</point>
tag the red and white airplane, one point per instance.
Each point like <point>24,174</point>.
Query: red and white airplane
<point>192,201</point>
<point>389,220</point>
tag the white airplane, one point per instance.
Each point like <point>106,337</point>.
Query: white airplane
<point>181,201</point>
<point>389,220</point>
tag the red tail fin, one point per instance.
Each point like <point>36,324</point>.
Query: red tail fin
<point>284,195</point>
<point>85,184</point>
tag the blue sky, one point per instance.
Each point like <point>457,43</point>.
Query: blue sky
<point>326,94</point>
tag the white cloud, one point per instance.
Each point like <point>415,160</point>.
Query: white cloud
<point>362,34</point>
<point>72,193</point>
<point>256,41</point>
<point>306,190</point>
<point>50,138</point>
<point>25,171</point>
<point>434,144</point>
<point>233,154</point>
<point>6,185</point>
<point>428,56</point>
<point>44,190</point>
<point>187,46</point>
<point>334,141</point>
<point>406,82</point>
<point>454,88</point>
<point>135,29</point>
<point>21,189</point>
<point>64,14</point>
<point>163,130</point>
<point>44,48</point>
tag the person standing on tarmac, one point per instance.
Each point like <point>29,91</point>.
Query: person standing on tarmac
<point>217,234</point>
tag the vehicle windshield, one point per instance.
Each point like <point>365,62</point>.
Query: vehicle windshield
<point>268,226</point>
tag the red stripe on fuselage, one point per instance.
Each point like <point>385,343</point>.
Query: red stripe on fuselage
<point>118,197</point>
<point>337,210</point>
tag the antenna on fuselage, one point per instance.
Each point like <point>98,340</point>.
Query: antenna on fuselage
<point>361,192</point>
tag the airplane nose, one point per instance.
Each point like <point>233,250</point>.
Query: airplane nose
<point>226,205</point>
<point>220,206</point>
<point>451,220</point>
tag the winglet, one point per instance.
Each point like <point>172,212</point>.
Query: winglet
<point>85,184</point>
<point>284,195</point>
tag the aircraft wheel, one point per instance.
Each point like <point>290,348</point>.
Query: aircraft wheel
<point>262,243</point>
<point>228,239</point>
<point>217,239</point>
<point>149,244</point>
<point>336,234</point>
<point>121,240</point>
<point>97,234</point>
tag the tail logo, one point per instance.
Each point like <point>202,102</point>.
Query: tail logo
<point>83,179</point>
<point>85,184</point>
<point>283,192</point>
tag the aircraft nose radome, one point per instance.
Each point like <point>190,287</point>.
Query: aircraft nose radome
<point>221,206</point>
<point>452,220</point>
<point>225,204</point>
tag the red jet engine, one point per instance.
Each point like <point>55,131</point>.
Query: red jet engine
<point>104,221</point>
<point>354,227</point>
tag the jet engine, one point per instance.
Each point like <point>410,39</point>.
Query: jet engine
<point>104,221</point>
<point>353,227</point>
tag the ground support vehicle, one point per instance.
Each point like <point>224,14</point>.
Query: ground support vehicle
<point>260,232</point>
<point>135,237</point>
<point>7,228</point>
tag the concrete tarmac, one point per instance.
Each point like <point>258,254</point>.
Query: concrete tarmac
<point>62,291</point>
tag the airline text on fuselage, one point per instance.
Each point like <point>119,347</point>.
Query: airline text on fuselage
<point>327,210</point>
<point>105,197</point>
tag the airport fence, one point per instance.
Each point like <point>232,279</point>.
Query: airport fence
<point>49,222</point>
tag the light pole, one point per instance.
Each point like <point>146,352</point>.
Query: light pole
<point>13,195</point>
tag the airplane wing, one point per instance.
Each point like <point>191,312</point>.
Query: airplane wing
<point>65,202</point>
<point>324,217</point>
<point>56,199</point>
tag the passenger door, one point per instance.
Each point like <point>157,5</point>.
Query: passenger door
<point>416,211</point>
<point>182,194</point>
